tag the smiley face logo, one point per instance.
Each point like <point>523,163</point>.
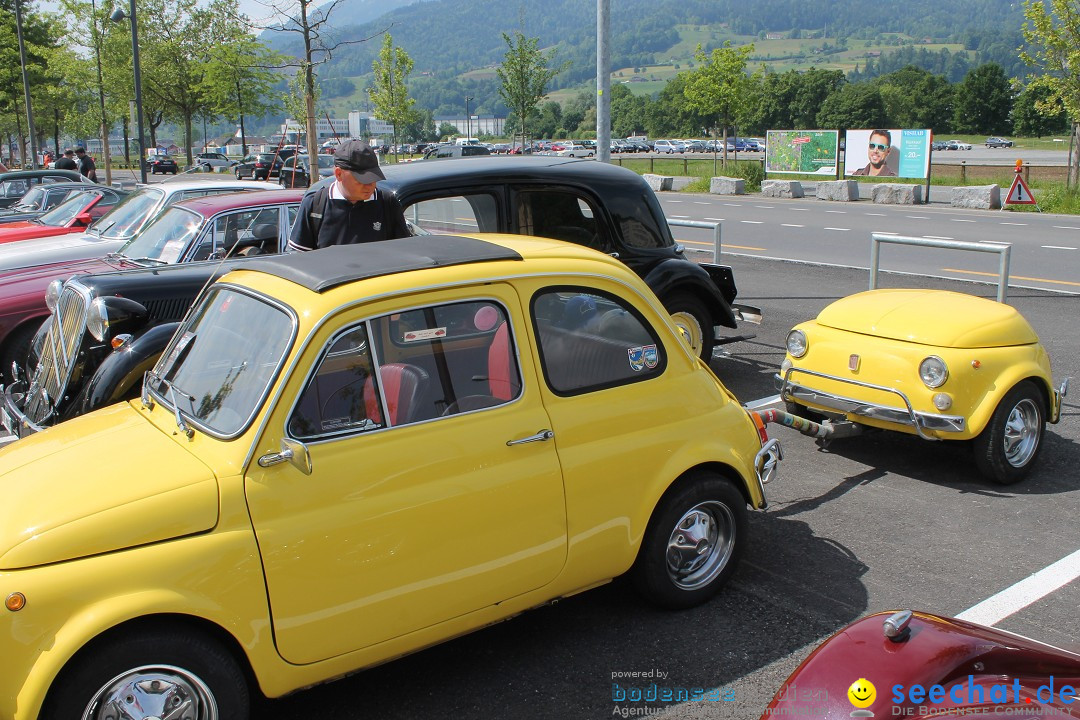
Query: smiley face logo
<point>862,693</point>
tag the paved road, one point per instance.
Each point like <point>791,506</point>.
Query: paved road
<point>866,524</point>
<point>1045,248</point>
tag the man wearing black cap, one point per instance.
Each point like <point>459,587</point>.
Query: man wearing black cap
<point>86,163</point>
<point>351,209</point>
<point>67,160</point>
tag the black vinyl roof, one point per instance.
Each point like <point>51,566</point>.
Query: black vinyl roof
<point>321,270</point>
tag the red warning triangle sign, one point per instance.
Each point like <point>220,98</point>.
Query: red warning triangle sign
<point>1019,193</point>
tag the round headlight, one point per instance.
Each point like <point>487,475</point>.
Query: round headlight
<point>97,319</point>
<point>933,371</point>
<point>52,294</point>
<point>796,343</point>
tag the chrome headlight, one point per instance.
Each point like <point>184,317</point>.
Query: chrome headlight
<point>933,371</point>
<point>796,343</point>
<point>52,294</point>
<point>111,313</point>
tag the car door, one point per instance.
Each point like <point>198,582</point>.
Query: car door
<point>435,490</point>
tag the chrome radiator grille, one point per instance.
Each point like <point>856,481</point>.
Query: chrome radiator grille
<point>59,352</point>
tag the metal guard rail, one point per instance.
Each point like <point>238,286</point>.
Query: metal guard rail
<point>876,239</point>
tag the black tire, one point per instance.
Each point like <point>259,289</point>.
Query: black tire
<point>15,349</point>
<point>193,669</point>
<point>694,322</point>
<point>1009,445</point>
<point>705,513</point>
<point>238,174</point>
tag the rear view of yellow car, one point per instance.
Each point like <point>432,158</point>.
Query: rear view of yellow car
<point>348,455</point>
<point>937,364</point>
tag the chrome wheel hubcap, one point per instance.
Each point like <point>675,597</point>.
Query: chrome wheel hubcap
<point>159,692</point>
<point>690,330</point>
<point>1022,433</point>
<point>700,545</point>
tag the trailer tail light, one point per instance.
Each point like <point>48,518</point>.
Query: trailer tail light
<point>763,434</point>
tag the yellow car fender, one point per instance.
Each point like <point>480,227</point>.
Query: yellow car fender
<point>1006,381</point>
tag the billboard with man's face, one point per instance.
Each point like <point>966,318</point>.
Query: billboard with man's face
<point>887,153</point>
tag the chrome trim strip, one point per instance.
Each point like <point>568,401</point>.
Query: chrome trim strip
<point>919,420</point>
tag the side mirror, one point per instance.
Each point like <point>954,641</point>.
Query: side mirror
<point>84,218</point>
<point>292,451</point>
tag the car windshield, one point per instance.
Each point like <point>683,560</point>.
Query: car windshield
<point>33,200</point>
<point>129,215</point>
<point>220,364</point>
<point>164,239</point>
<point>326,161</point>
<point>65,212</point>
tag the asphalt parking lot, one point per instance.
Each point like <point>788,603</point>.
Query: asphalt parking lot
<point>865,524</point>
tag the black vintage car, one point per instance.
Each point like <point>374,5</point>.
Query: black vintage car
<point>606,207</point>
<point>15,184</point>
<point>39,200</point>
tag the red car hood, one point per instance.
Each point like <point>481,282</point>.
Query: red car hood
<point>28,231</point>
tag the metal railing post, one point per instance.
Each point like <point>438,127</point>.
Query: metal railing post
<point>714,226</point>
<point>1004,251</point>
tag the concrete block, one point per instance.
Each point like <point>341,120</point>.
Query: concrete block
<point>781,188</point>
<point>898,194</point>
<point>838,190</point>
<point>658,182</point>
<point>977,197</point>
<point>727,186</point>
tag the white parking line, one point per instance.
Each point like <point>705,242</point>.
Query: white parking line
<point>790,225</point>
<point>674,201</point>
<point>765,207</point>
<point>959,220</point>
<point>838,212</point>
<point>1065,227</point>
<point>702,202</point>
<point>918,217</point>
<point>1058,247</point>
<point>993,242</point>
<point>800,209</point>
<point>752,222</point>
<point>875,214</point>
<point>839,229</point>
<point>1005,223</point>
<point>1018,596</point>
<point>715,219</point>
<point>733,204</point>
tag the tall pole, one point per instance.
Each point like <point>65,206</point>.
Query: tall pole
<point>117,16</point>
<point>468,120</point>
<point>26,86</point>
<point>603,82</point>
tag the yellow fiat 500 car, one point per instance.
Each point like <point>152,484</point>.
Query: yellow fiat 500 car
<point>940,365</point>
<point>350,454</point>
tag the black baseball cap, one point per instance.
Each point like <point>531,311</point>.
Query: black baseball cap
<point>80,148</point>
<point>358,157</point>
<point>69,151</point>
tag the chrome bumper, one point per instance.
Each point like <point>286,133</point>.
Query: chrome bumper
<point>906,415</point>
<point>766,466</point>
<point>12,417</point>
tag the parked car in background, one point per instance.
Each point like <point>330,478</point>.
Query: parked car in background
<point>939,145</point>
<point>27,268</point>
<point>39,199</point>
<point>287,376</point>
<point>754,145</point>
<point>938,365</point>
<point>958,145</point>
<point>441,152</point>
<point>16,183</point>
<point>927,665</point>
<point>574,149</point>
<point>162,164</point>
<point>73,215</point>
<point>997,142</point>
<point>213,160</point>
<point>296,171</point>
<point>259,166</point>
<point>238,224</point>
<point>667,147</point>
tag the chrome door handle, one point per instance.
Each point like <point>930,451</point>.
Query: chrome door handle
<point>538,437</point>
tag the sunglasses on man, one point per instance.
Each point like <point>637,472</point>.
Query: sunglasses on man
<point>879,146</point>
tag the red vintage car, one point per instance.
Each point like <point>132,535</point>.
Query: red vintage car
<point>191,230</point>
<point>71,216</point>
<point>905,664</point>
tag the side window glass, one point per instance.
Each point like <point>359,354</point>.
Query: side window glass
<point>14,188</point>
<point>248,232</point>
<point>427,363</point>
<point>460,213</point>
<point>559,215</point>
<point>342,396</point>
<point>591,341</point>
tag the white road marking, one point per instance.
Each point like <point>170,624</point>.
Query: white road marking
<point>1066,227</point>
<point>1007,223</point>
<point>959,220</point>
<point>752,222</point>
<point>762,402</point>
<point>674,201</point>
<point>918,217</point>
<point>838,229</point>
<point>937,237</point>
<point>733,204</point>
<point>790,225</point>
<point>993,242</point>
<point>715,219</point>
<point>800,209</point>
<point>702,202</point>
<point>838,212</point>
<point>681,217</point>
<point>1018,596</point>
<point>886,232</point>
<point>875,214</point>
<point>1058,247</point>
<point>765,207</point>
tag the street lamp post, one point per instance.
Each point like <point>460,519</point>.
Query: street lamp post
<point>117,16</point>
<point>26,86</point>
<point>468,120</point>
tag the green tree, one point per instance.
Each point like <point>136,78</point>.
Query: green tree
<point>983,101</point>
<point>43,45</point>
<point>447,130</point>
<point>524,76</point>
<point>239,79</point>
<point>389,91</point>
<point>916,98</point>
<point>628,112</point>
<point>1038,110</point>
<point>719,88</point>
<point>853,106</point>
<point>1053,39</point>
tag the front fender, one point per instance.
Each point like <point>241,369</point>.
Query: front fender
<point>679,275</point>
<point>1036,369</point>
<point>122,371</point>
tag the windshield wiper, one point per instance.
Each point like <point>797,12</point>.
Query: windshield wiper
<point>147,260</point>
<point>151,376</point>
